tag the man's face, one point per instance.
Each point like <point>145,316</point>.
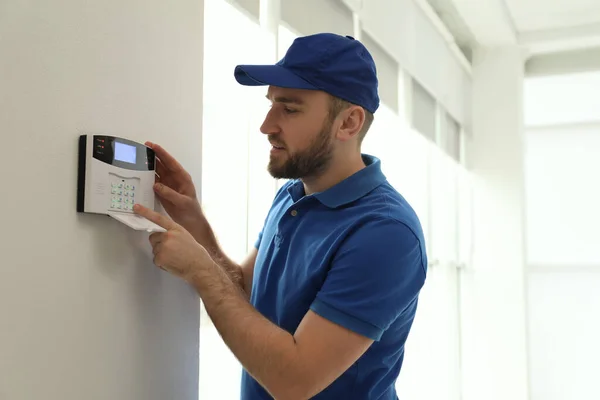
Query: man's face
<point>299,129</point>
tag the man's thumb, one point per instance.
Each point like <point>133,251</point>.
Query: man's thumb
<point>168,194</point>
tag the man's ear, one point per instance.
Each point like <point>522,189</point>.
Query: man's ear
<point>352,121</point>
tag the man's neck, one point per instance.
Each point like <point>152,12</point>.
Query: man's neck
<point>338,170</point>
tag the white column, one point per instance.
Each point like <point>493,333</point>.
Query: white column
<point>493,306</point>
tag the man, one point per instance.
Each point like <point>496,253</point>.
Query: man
<point>323,305</point>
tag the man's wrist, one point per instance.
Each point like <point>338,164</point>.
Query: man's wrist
<point>198,227</point>
<point>204,272</point>
<point>196,275</point>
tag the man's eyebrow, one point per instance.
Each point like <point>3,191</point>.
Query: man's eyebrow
<point>286,100</point>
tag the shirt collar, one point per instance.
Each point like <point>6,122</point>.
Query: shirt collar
<point>350,189</point>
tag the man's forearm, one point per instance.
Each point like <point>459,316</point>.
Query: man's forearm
<point>233,270</point>
<point>266,351</point>
<point>203,233</point>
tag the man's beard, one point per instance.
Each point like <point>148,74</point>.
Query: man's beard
<point>306,163</point>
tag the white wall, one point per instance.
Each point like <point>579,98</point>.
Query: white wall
<point>85,314</point>
<point>493,295</point>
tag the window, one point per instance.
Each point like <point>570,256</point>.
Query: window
<point>236,187</point>
<point>432,349</point>
<point>451,137</point>
<point>251,7</point>
<point>434,181</point>
<point>387,71</point>
<point>286,37</point>
<point>546,97</point>
<point>562,144</point>
<point>237,190</point>
<point>563,335</point>
<point>423,111</point>
<point>563,221</point>
<point>313,16</point>
<point>561,170</point>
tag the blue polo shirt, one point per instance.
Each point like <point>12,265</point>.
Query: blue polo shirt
<point>354,254</point>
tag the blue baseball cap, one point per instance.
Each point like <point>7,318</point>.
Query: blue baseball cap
<point>339,65</point>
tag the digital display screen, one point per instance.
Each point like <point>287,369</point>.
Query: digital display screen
<point>125,152</point>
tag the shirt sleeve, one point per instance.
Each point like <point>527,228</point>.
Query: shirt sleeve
<point>375,276</point>
<point>258,239</point>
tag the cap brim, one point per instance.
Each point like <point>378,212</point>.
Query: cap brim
<point>270,75</point>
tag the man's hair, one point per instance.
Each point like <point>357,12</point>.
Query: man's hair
<point>337,105</point>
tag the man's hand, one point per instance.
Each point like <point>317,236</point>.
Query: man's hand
<point>176,192</point>
<point>175,250</point>
<point>175,189</point>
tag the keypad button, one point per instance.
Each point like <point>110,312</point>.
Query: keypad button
<point>122,196</point>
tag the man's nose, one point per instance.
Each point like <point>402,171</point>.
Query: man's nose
<point>269,125</point>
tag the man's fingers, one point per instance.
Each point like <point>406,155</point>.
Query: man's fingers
<point>155,238</point>
<point>160,168</point>
<point>167,159</point>
<point>153,216</point>
<point>165,192</point>
<point>157,263</point>
<point>156,249</point>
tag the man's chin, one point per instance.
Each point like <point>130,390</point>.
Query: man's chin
<point>277,169</point>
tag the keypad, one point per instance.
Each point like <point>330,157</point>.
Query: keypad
<point>122,196</point>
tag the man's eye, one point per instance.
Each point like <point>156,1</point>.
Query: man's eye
<point>289,110</point>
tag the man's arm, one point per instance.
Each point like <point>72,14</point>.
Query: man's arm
<point>288,367</point>
<point>177,194</point>
<point>372,281</point>
<point>240,274</point>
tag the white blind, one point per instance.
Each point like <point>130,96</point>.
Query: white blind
<point>400,27</point>
<point>387,72</point>
<point>250,6</point>
<point>423,111</point>
<point>315,16</point>
<point>451,137</point>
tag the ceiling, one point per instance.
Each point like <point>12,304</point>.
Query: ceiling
<point>535,15</point>
<point>541,27</point>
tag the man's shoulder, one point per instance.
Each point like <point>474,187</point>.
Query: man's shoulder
<point>385,202</point>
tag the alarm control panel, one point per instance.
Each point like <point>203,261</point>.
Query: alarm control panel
<point>113,174</point>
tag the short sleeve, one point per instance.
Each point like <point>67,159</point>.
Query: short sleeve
<point>258,239</point>
<point>375,275</point>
